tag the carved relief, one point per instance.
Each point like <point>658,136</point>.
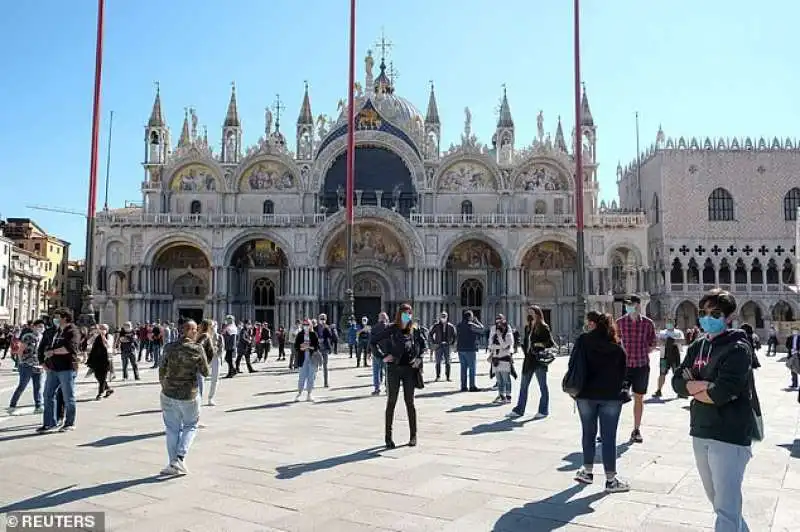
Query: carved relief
<point>194,178</point>
<point>115,256</point>
<point>474,255</point>
<point>136,249</point>
<point>539,178</point>
<point>367,285</point>
<point>259,254</point>
<point>370,242</point>
<point>550,256</point>
<point>267,175</point>
<point>466,177</point>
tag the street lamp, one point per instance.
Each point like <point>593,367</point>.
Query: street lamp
<point>580,304</point>
<point>350,159</point>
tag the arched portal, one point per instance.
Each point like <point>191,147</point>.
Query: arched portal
<point>371,296</point>
<point>686,315</point>
<point>751,313</point>
<point>183,272</point>
<point>548,280</point>
<point>257,280</point>
<point>782,311</point>
<point>380,174</point>
<point>471,264</point>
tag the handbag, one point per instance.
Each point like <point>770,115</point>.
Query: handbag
<point>543,356</point>
<point>419,380</point>
<point>316,359</point>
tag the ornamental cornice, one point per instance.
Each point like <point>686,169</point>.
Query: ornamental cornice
<point>468,156</point>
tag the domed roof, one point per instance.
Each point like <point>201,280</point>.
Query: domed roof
<point>399,111</point>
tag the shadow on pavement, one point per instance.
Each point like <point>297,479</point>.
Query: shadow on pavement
<point>440,393</point>
<point>119,440</point>
<point>793,448</point>
<point>70,494</point>
<point>19,436</point>
<point>140,413</point>
<point>551,513</point>
<point>473,408</point>
<point>261,407</point>
<point>295,470</point>
<point>503,425</point>
<point>575,460</point>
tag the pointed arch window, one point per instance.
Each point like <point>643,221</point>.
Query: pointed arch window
<point>720,206</point>
<point>756,273</point>
<point>724,272</point>
<point>466,208</point>
<point>791,201</point>
<point>655,208</point>
<point>269,207</point>
<point>472,294</point>
<point>740,273</point>
<point>692,273</point>
<point>788,272</point>
<point>709,275</point>
<point>196,207</point>
<point>676,273</point>
<point>264,293</point>
<point>773,276</point>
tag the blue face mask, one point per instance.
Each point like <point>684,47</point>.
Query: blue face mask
<point>56,322</point>
<point>712,325</point>
<point>405,318</point>
<point>630,309</point>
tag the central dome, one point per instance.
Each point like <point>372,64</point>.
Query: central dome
<point>399,111</point>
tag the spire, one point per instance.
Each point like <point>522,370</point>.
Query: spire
<point>432,116</point>
<point>232,116</point>
<point>560,142</point>
<point>185,138</point>
<point>383,83</point>
<point>155,116</point>
<point>586,113</point>
<point>305,111</point>
<point>505,120</point>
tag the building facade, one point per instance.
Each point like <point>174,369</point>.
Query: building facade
<point>26,282</point>
<point>258,231</point>
<point>75,281</point>
<point>722,212</point>
<point>5,272</point>
<point>28,236</point>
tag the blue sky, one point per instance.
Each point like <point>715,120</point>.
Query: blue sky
<point>710,67</point>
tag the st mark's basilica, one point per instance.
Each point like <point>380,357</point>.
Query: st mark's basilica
<point>258,231</point>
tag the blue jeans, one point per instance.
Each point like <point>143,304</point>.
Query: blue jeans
<point>443,355</point>
<point>467,361</point>
<point>607,413</point>
<point>377,372</point>
<point>200,381</point>
<point>180,423</point>
<point>26,375</point>
<point>504,383</point>
<point>155,350</point>
<point>308,374</point>
<point>325,353</point>
<point>544,399</point>
<point>66,381</point>
<point>721,467</point>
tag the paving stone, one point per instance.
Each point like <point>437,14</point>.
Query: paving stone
<point>264,463</point>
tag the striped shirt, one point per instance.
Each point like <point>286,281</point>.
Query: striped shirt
<point>638,336</point>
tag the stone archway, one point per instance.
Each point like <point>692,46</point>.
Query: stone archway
<point>547,279</point>
<point>782,311</point>
<point>472,279</point>
<point>751,313</point>
<point>182,280</point>
<point>257,280</point>
<point>686,315</point>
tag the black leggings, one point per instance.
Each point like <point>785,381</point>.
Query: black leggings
<point>102,382</point>
<point>394,376</point>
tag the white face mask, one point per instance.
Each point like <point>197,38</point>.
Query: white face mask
<point>306,328</point>
<point>443,320</point>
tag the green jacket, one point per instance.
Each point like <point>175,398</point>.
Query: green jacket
<point>181,362</point>
<point>726,363</point>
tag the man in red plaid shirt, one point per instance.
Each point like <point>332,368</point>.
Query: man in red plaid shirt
<point>638,336</point>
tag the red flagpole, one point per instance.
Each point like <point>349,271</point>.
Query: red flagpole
<point>91,208</point>
<point>580,307</point>
<point>350,158</point>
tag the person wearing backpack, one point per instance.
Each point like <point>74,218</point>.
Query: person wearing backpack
<point>597,371</point>
<point>724,413</point>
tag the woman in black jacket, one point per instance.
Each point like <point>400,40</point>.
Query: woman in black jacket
<point>600,398</point>
<point>536,340</point>
<point>306,345</point>
<point>401,346</point>
<point>99,360</point>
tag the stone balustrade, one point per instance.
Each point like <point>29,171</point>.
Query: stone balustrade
<point>208,220</point>
<point>527,220</point>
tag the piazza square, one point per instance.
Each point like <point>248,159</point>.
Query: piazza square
<point>265,463</point>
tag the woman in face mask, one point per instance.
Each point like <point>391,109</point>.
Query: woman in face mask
<point>99,359</point>
<point>401,347</point>
<point>29,368</point>
<point>724,413</point>
<point>306,345</point>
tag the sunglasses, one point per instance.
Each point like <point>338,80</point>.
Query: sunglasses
<point>714,313</point>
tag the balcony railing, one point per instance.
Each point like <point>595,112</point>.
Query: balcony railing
<point>738,288</point>
<point>527,220</point>
<point>206,220</point>
<point>25,268</point>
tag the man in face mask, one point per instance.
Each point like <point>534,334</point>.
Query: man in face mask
<point>793,348</point>
<point>362,342</point>
<point>60,351</point>
<point>670,354</point>
<point>443,336</point>
<point>638,337</point>
<point>378,366</point>
<point>29,368</point>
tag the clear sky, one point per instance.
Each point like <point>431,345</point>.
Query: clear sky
<point>699,67</point>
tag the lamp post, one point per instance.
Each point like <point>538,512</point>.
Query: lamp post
<point>580,304</point>
<point>350,158</point>
<point>87,311</point>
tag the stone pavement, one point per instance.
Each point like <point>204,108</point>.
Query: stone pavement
<point>265,463</point>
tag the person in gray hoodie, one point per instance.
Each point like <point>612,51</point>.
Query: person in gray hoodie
<point>468,332</point>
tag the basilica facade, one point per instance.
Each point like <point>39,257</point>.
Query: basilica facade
<point>258,231</point>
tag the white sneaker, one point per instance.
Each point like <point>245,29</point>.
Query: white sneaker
<point>309,398</point>
<point>11,410</point>
<point>297,397</point>
<point>180,466</point>
<point>513,415</point>
<point>212,402</point>
<point>169,470</point>
<point>539,416</point>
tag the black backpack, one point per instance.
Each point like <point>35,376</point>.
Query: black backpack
<point>573,381</point>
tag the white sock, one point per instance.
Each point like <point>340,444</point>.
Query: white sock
<point>588,468</point>
<point>610,477</point>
